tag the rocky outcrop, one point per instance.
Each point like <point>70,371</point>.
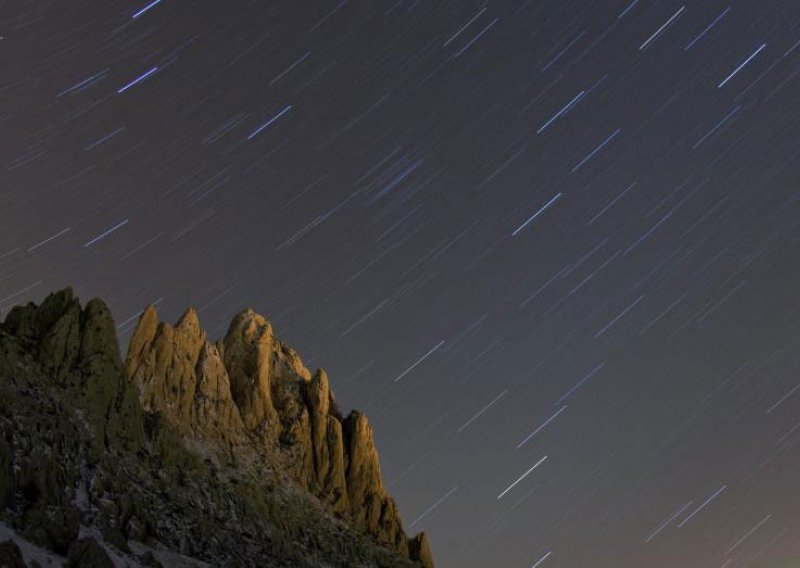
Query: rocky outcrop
<point>89,552</point>
<point>248,349</point>
<point>419,548</point>
<point>230,452</point>
<point>373,510</point>
<point>253,391</point>
<point>77,348</point>
<point>179,373</point>
<point>47,353</point>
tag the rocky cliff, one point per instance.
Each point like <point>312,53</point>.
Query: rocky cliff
<point>190,451</point>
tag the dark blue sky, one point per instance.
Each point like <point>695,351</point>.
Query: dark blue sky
<point>551,248</point>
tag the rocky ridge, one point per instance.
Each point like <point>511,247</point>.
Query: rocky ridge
<point>228,452</point>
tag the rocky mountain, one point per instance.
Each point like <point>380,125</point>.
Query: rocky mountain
<point>189,452</point>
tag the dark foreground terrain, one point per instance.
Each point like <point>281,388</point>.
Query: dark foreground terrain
<point>186,453</point>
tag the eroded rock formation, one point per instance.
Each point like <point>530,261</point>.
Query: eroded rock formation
<point>226,451</point>
<point>252,390</point>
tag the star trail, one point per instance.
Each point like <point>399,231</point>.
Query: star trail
<point>510,232</point>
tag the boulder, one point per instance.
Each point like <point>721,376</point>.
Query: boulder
<point>88,553</point>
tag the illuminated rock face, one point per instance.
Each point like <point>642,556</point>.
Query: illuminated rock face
<point>252,390</point>
<point>227,451</point>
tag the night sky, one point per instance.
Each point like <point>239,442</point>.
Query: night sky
<point>551,248</point>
